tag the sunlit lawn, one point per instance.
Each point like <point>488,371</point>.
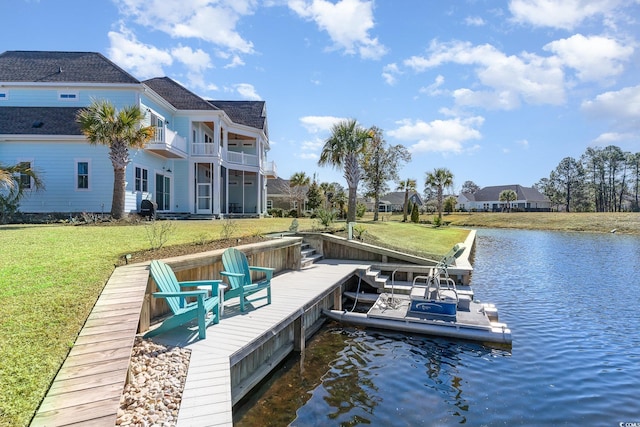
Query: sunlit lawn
<point>51,276</point>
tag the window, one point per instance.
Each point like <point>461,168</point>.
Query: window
<point>24,179</point>
<point>269,204</point>
<point>82,175</point>
<point>67,96</point>
<point>141,180</point>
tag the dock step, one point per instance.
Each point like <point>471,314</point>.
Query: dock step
<point>309,255</point>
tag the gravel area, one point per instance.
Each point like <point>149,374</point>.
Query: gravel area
<point>158,374</point>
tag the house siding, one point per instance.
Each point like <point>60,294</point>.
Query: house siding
<point>54,154</point>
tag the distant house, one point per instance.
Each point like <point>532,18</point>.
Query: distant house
<point>487,199</point>
<point>280,195</point>
<point>207,157</point>
<point>394,201</point>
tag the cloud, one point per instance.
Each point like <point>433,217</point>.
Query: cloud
<point>247,91</point>
<point>389,73</point>
<point>565,14</point>
<point>211,21</point>
<point>613,138</point>
<point>347,22</point>
<point>434,88</point>
<point>319,124</point>
<point>621,107</point>
<point>444,136</point>
<point>508,80</point>
<point>142,60</point>
<point>594,57</point>
<point>474,21</point>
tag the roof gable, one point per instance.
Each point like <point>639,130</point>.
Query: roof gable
<point>39,121</point>
<point>63,67</point>
<point>177,95</point>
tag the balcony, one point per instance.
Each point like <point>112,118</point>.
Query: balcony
<point>270,170</point>
<point>205,149</point>
<point>242,158</point>
<point>168,143</point>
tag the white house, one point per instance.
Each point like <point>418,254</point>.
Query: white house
<point>207,157</point>
<point>487,199</point>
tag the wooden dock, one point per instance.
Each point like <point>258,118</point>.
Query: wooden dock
<point>88,387</point>
<point>208,396</point>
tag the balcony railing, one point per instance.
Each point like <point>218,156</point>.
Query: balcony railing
<point>242,158</point>
<point>270,169</point>
<point>168,143</point>
<point>204,149</point>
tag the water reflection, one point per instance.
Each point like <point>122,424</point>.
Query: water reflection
<point>572,302</point>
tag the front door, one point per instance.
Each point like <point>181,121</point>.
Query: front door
<point>163,192</point>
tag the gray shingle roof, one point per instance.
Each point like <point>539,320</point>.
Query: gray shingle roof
<point>488,194</point>
<point>397,198</point>
<point>79,67</point>
<point>39,121</point>
<point>248,113</point>
<point>177,95</point>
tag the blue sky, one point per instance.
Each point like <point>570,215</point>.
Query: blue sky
<point>496,91</point>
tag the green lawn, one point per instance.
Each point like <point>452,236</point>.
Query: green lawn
<point>51,276</point>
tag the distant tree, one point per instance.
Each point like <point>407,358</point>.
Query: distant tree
<point>380,164</point>
<point>299,182</point>
<point>450,204</point>
<point>507,196</point>
<point>634,167</point>
<point>15,180</point>
<point>469,187</point>
<point>408,185</point>
<point>340,200</point>
<point>342,149</point>
<point>415,214</point>
<point>568,178</point>
<point>549,188</point>
<point>119,130</point>
<point>438,180</point>
<point>315,196</point>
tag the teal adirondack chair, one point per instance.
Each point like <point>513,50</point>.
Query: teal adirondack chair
<point>183,311</point>
<point>238,274</point>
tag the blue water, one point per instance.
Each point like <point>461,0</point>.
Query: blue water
<point>572,302</point>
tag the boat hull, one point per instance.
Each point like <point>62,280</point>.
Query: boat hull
<point>498,333</point>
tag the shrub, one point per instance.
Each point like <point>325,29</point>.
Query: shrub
<point>228,229</point>
<point>293,213</point>
<point>359,232</point>
<point>361,208</point>
<point>158,232</point>
<point>326,217</point>
<point>415,214</point>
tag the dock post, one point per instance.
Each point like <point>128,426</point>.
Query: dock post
<point>299,334</point>
<point>337,298</point>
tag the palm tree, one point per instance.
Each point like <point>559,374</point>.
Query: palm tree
<point>439,179</point>
<point>342,150</point>
<point>297,181</point>
<point>119,130</point>
<point>408,185</point>
<point>13,186</point>
<point>508,196</point>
